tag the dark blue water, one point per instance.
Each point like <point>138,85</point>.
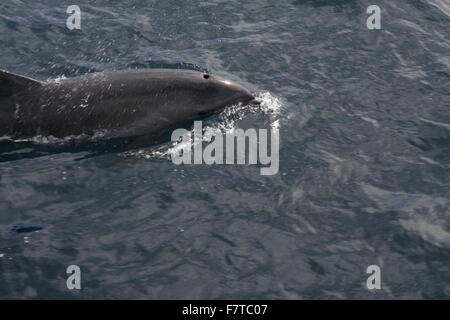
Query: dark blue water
<point>364,179</point>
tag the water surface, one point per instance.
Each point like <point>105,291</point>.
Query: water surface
<point>364,158</point>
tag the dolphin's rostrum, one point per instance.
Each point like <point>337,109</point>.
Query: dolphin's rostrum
<point>118,104</point>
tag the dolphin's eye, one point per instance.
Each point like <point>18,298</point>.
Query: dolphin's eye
<point>206,76</point>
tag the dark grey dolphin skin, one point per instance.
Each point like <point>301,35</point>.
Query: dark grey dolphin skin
<point>119,104</point>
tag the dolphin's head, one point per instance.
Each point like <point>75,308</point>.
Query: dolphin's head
<point>200,94</point>
<point>216,93</point>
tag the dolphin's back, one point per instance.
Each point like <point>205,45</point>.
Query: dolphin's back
<point>117,102</point>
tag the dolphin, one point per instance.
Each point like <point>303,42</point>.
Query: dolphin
<point>112,104</point>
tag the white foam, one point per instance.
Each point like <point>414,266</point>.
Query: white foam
<point>269,103</point>
<point>43,139</point>
<point>57,80</point>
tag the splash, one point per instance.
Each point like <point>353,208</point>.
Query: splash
<point>52,140</point>
<point>57,80</point>
<point>269,103</point>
